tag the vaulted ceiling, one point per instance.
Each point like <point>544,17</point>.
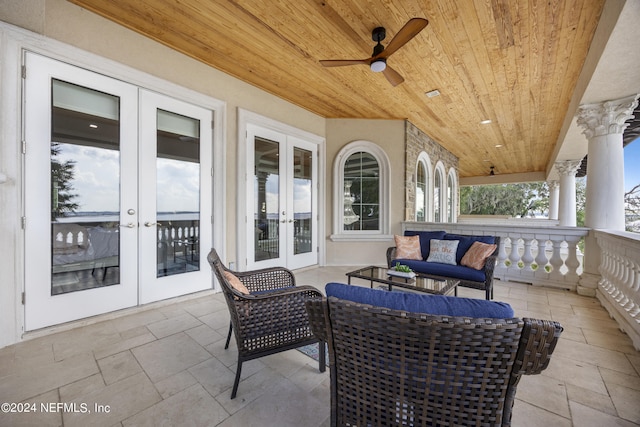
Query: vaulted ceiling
<point>514,62</point>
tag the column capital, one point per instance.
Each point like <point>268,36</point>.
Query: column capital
<point>553,184</point>
<point>568,167</point>
<point>606,117</point>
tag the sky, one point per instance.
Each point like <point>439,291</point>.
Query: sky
<point>98,190</point>
<point>632,164</point>
<point>97,180</point>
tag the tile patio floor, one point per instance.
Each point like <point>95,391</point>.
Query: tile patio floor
<point>166,365</point>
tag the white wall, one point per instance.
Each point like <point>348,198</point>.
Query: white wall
<point>390,136</point>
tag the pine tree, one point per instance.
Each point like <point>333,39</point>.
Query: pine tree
<point>62,195</point>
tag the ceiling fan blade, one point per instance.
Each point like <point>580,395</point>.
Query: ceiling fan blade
<point>406,33</point>
<point>343,62</point>
<point>392,76</point>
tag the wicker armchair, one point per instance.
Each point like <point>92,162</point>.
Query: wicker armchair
<point>271,318</point>
<point>392,367</point>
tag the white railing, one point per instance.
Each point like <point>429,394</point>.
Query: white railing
<point>559,265</point>
<point>520,259</point>
<point>178,243</point>
<point>619,287</point>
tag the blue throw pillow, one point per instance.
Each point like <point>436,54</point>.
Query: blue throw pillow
<point>421,303</point>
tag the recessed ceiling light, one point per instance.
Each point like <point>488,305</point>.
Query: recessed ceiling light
<point>498,145</point>
<point>433,93</point>
<point>92,126</point>
<point>485,122</point>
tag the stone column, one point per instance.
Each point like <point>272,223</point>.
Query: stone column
<point>603,126</point>
<point>567,198</point>
<point>553,198</point>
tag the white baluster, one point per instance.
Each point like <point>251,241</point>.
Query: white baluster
<point>501,268</point>
<point>572,261</point>
<point>556,259</point>
<point>514,256</point>
<point>527,257</point>
<point>541,258</point>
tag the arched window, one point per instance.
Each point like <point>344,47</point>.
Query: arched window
<point>437,196</point>
<point>451,196</point>
<point>361,192</point>
<point>423,171</point>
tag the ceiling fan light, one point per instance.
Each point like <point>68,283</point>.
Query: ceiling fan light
<point>378,65</point>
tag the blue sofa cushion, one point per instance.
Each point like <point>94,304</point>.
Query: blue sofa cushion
<point>458,271</point>
<point>466,242</point>
<point>425,239</point>
<point>421,303</point>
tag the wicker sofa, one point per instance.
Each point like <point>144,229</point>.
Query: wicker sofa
<point>390,366</point>
<point>471,278</point>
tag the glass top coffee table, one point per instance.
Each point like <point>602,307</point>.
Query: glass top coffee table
<point>421,282</point>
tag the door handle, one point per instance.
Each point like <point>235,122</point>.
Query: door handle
<point>151,224</point>
<point>129,225</point>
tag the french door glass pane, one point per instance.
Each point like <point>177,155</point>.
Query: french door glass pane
<point>302,191</point>
<point>177,194</point>
<point>85,188</point>
<point>266,199</point>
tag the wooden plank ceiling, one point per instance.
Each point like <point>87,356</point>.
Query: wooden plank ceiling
<point>515,62</point>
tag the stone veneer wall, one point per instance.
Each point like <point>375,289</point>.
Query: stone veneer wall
<point>416,141</point>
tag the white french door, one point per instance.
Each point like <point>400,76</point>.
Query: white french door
<point>283,225</point>
<point>175,197</point>
<point>117,194</point>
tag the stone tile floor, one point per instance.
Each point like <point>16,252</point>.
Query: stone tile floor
<point>165,364</point>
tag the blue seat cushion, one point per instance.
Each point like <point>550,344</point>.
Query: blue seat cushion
<point>421,303</point>
<point>425,239</point>
<point>447,270</point>
<point>466,242</point>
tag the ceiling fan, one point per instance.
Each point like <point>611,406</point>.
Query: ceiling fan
<point>378,60</point>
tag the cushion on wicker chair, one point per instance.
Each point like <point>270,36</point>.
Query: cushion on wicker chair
<point>421,303</point>
<point>236,283</point>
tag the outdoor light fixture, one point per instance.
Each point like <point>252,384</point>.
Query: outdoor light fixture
<point>378,65</point>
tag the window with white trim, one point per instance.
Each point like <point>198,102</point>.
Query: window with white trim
<point>437,196</point>
<point>422,187</point>
<point>451,202</point>
<point>361,190</point>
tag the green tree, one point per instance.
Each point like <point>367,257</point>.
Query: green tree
<point>516,200</point>
<point>581,198</point>
<point>61,185</point>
